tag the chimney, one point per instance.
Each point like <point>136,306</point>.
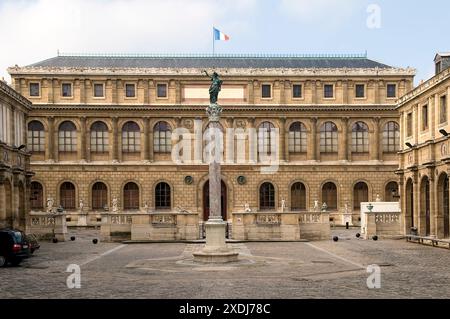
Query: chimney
<point>442,62</point>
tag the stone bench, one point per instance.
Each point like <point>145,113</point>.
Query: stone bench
<point>434,241</point>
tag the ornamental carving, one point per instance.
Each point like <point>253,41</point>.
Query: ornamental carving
<point>164,220</point>
<point>387,218</point>
<point>268,219</point>
<point>309,218</point>
<point>121,220</point>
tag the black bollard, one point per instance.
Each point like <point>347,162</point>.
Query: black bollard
<point>95,241</point>
<point>55,240</point>
<point>347,226</point>
<point>335,238</point>
<point>72,238</point>
<point>375,238</point>
<point>358,235</point>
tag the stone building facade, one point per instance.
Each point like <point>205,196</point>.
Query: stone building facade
<point>102,131</point>
<point>15,173</point>
<point>424,156</point>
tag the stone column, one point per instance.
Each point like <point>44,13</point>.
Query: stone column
<point>82,140</point>
<point>198,141</point>
<point>145,140</point>
<point>49,147</point>
<point>343,140</point>
<point>282,141</point>
<point>312,141</point>
<point>114,155</point>
<point>252,142</point>
<point>375,141</point>
<point>229,133</point>
<point>151,156</point>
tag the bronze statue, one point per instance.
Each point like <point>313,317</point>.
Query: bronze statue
<point>215,88</point>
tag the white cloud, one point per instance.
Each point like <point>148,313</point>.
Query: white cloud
<point>32,30</point>
<point>322,11</point>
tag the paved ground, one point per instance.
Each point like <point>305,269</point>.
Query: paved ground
<point>267,270</point>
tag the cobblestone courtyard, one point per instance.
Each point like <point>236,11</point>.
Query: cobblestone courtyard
<point>268,270</point>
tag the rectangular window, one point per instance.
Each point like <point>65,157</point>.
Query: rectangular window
<point>98,90</point>
<point>66,90</point>
<point>266,91</point>
<point>438,67</point>
<point>391,91</point>
<point>328,91</point>
<point>360,91</point>
<point>424,117</point>
<point>443,109</point>
<point>297,91</point>
<point>161,91</point>
<point>130,90</point>
<point>409,123</point>
<point>35,89</point>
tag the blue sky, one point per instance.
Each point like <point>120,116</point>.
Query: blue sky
<point>409,32</point>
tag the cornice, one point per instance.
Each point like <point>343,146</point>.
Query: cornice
<point>13,94</point>
<point>240,72</point>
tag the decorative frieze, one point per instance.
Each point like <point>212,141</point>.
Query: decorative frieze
<point>391,218</point>
<point>309,218</point>
<point>268,219</point>
<point>43,221</point>
<point>164,220</point>
<point>121,220</point>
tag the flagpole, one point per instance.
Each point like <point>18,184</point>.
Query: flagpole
<point>214,40</point>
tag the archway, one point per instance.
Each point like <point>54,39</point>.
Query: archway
<point>8,203</point>
<point>443,206</point>
<point>425,204</point>
<point>410,201</point>
<point>21,206</point>
<point>223,201</point>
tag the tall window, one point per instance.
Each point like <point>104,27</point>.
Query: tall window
<point>360,91</point>
<point>329,138</point>
<point>67,195</point>
<point>36,137</point>
<point>131,196</point>
<point>99,138</point>
<point>99,90</point>
<point>391,137</point>
<point>297,138</point>
<point>360,195</point>
<point>328,91</point>
<point>266,91</point>
<point>161,90</point>
<point>409,124</point>
<point>298,196</point>
<point>162,196</point>
<point>265,141</point>
<point>329,195</point>
<point>391,192</point>
<point>131,138</point>
<point>443,109</point>
<point>360,138</point>
<point>162,138</point>
<point>130,90</point>
<point>37,196</point>
<point>67,137</point>
<point>35,89</point>
<point>391,90</point>
<point>424,117</point>
<point>99,196</point>
<point>267,197</point>
<point>66,89</point>
<point>297,91</point>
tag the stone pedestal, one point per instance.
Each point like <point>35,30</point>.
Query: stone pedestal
<point>82,220</point>
<point>216,250</point>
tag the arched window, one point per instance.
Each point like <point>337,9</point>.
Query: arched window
<point>67,137</point>
<point>67,195</point>
<point>360,195</point>
<point>131,196</point>
<point>99,196</point>
<point>37,195</point>
<point>329,195</point>
<point>329,138</point>
<point>162,138</point>
<point>265,141</point>
<point>391,137</point>
<point>162,196</point>
<point>99,138</point>
<point>36,137</point>
<point>131,138</point>
<point>391,192</point>
<point>360,138</point>
<point>266,196</point>
<point>298,196</point>
<point>297,138</point>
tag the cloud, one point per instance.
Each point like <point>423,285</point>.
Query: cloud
<point>32,30</point>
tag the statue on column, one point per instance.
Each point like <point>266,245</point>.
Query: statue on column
<point>214,110</point>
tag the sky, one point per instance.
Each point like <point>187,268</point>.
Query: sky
<point>401,33</point>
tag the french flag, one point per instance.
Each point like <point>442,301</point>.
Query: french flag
<point>220,36</point>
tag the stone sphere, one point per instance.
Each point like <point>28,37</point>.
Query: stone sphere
<point>335,238</point>
<point>95,241</point>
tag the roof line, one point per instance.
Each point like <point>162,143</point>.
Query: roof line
<point>207,55</point>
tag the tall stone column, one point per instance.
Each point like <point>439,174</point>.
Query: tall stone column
<point>375,141</point>
<point>145,140</point>
<point>282,141</point>
<point>49,149</point>
<point>82,147</point>
<point>115,142</point>
<point>151,156</point>
<point>229,151</point>
<point>312,143</point>
<point>343,140</point>
<point>252,142</point>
